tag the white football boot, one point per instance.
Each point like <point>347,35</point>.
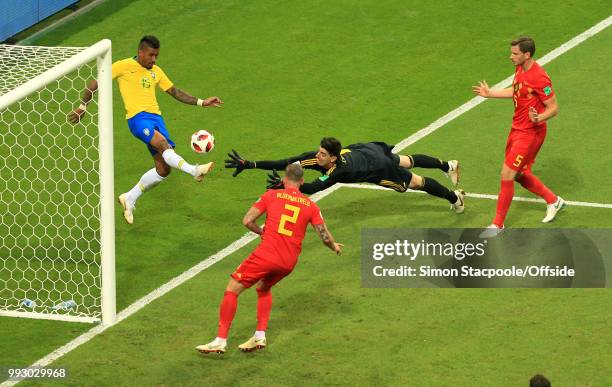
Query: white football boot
<point>253,344</point>
<point>491,231</point>
<point>459,205</point>
<point>202,170</point>
<point>453,172</point>
<point>128,209</point>
<point>214,346</point>
<point>553,209</point>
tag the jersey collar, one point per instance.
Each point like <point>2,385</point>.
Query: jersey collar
<point>135,57</point>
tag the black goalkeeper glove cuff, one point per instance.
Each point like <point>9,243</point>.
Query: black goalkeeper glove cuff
<point>237,162</point>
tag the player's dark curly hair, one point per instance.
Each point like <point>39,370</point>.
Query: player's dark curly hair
<point>539,381</point>
<point>525,44</point>
<point>150,41</point>
<point>332,145</point>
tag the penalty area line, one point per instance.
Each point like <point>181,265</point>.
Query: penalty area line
<point>487,196</point>
<point>236,245</point>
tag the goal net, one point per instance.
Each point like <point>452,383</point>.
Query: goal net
<point>56,185</point>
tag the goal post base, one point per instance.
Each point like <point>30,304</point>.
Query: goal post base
<point>47,316</point>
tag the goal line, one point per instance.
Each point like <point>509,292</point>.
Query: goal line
<point>486,196</point>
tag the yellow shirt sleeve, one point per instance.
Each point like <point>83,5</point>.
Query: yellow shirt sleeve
<point>164,82</point>
<point>118,68</point>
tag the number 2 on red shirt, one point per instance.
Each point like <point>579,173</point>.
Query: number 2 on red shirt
<point>295,212</point>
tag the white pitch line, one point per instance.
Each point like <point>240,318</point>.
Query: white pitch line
<point>141,303</point>
<point>136,306</point>
<point>534,200</point>
<point>562,49</point>
<point>485,196</point>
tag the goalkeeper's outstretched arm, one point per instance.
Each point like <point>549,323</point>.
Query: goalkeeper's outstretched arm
<point>317,185</point>
<point>240,164</point>
<point>275,182</point>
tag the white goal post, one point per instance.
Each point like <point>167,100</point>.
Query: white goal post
<point>57,227</point>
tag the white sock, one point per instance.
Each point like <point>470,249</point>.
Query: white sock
<point>220,340</point>
<point>260,335</point>
<point>149,180</point>
<point>176,161</point>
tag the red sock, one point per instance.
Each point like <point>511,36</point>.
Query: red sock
<point>533,184</point>
<point>227,311</point>
<point>264,306</point>
<point>504,199</point>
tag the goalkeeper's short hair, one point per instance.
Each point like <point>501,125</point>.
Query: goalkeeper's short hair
<point>332,145</point>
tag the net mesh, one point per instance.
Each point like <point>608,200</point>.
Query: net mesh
<point>19,64</point>
<point>49,189</point>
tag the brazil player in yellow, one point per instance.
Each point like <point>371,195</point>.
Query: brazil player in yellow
<point>137,78</point>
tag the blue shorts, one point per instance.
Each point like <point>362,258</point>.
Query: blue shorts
<point>143,126</point>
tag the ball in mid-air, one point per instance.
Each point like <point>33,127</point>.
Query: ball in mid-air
<point>202,141</point>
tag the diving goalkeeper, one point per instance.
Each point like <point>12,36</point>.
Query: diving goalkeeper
<point>372,162</point>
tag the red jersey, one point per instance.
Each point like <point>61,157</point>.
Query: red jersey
<point>531,88</point>
<point>288,214</point>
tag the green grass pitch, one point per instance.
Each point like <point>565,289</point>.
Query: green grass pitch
<point>291,73</point>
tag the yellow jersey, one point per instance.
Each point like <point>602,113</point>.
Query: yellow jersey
<point>137,86</point>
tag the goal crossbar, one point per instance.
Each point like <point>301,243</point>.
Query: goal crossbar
<point>54,73</point>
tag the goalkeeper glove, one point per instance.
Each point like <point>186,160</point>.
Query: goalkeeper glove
<point>274,181</point>
<point>235,161</point>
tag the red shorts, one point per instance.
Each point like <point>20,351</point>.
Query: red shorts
<point>522,148</point>
<point>253,269</point>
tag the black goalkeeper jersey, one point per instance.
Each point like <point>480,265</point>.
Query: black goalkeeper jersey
<point>371,162</point>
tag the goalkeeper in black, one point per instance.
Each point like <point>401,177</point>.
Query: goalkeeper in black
<point>372,162</point>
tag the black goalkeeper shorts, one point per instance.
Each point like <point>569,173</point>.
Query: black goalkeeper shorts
<point>392,175</point>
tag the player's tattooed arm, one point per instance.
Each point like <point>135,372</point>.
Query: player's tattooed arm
<point>328,239</point>
<point>181,95</point>
<point>249,220</point>
<point>324,234</point>
<point>185,97</point>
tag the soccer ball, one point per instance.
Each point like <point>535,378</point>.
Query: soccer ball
<point>202,141</point>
